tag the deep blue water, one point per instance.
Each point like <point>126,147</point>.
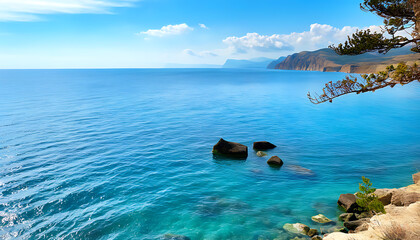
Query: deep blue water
<point>126,154</point>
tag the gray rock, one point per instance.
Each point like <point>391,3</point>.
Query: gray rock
<point>263,145</point>
<point>345,217</point>
<point>320,219</point>
<point>348,202</point>
<point>275,161</point>
<point>352,225</point>
<point>297,228</point>
<point>230,149</point>
<point>364,215</point>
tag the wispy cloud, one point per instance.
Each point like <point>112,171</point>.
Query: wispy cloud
<point>319,36</point>
<point>203,26</point>
<point>199,54</point>
<point>168,30</point>
<point>30,10</point>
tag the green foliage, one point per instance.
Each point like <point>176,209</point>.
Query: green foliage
<point>367,199</point>
<point>398,15</point>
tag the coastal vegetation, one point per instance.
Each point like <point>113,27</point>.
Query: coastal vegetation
<point>367,199</point>
<point>400,16</point>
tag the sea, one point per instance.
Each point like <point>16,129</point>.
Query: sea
<point>127,153</point>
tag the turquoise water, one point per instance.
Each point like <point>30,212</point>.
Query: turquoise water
<point>126,154</point>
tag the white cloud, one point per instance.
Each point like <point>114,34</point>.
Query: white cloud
<point>203,26</point>
<point>319,36</point>
<point>199,54</point>
<point>168,30</point>
<point>29,10</point>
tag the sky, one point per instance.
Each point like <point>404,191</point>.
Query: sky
<point>155,33</point>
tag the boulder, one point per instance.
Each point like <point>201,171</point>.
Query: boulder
<point>297,228</point>
<point>316,238</point>
<point>275,161</point>
<point>312,232</point>
<point>170,236</point>
<point>348,202</point>
<point>364,215</point>
<point>384,195</point>
<point>261,154</point>
<point>404,198</point>
<point>352,225</point>
<point>345,217</point>
<point>230,149</point>
<point>320,219</point>
<point>263,145</point>
<point>416,178</point>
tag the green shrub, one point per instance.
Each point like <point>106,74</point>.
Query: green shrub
<point>367,199</point>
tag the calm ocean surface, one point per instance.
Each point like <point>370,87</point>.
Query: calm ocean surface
<point>126,154</point>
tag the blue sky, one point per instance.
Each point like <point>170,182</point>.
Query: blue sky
<point>153,33</point>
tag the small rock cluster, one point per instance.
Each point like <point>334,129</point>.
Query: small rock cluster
<point>302,230</point>
<point>239,151</point>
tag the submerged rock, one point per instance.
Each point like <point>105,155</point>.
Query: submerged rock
<point>170,236</point>
<point>321,219</point>
<point>263,145</point>
<point>230,149</point>
<point>275,161</point>
<point>348,202</point>
<point>301,170</point>
<point>312,232</point>
<point>261,154</point>
<point>297,228</point>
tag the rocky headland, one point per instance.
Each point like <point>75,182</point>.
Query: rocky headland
<point>326,60</point>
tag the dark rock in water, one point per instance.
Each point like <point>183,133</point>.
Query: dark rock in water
<point>312,232</point>
<point>170,236</point>
<point>263,145</point>
<point>316,238</point>
<point>275,161</point>
<point>345,217</point>
<point>230,149</point>
<point>348,202</point>
<point>352,225</point>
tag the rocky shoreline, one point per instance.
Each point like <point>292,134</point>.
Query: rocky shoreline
<point>402,207</point>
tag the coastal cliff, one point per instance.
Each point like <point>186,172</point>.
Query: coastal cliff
<point>326,60</point>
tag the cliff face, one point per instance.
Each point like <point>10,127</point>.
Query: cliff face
<point>326,60</point>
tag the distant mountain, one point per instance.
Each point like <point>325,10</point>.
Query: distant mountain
<point>250,63</point>
<point>326,60</point>
<point>273,64</point>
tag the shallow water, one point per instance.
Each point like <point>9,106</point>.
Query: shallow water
<point>126,154</point>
